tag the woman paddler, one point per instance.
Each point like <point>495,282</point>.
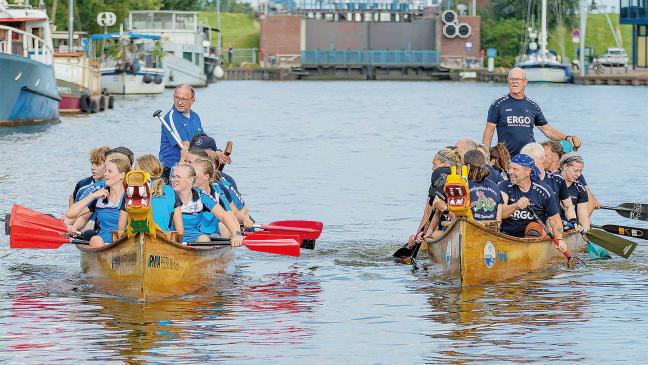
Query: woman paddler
<point>485,197</point>
<point>572,168</point>
<point>105,203</point>
<point>195,202</point>
<point>205,172</point>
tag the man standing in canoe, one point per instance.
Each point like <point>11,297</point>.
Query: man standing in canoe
<point>514,115</point>
<point>184,122</point>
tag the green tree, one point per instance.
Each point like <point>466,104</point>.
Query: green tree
<point>525,10</point>
<point>506,36</point>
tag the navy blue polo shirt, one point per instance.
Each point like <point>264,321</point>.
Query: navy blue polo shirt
<point>542,202</point>
<point>187,127</point>
<point>578,195</point>
<point>514,120</point>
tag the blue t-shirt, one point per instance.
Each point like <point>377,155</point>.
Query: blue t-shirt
<point>107,216</point>
<point>163,207</point>
<point>578,195</point>
<point>485,198</point>
<point>494,176</point>
<point>235,196</point>
<point>557,184</point>
<point>82,184</point>
<point>187,127</point>
<point>541,200</point>
<point>209,222</point>
<point>515,119</point>
<point>437,181</point>
<point>192,212</point>
<point>230,179</point>
<point>89,189</point>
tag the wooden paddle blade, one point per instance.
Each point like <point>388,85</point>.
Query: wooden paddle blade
<point>308,230</point>
<point>403,252</point>
<point>625,231</point>
<point>612,243</point>
<point>283,246</point>
<point>22,214</point>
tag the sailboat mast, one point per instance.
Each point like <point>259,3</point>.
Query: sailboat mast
<point>543,31</point>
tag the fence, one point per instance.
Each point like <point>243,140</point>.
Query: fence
<point>21,43</point>
<point>243,55</point>
<point>374,58</point>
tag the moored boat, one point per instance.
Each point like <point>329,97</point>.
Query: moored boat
<point>473,254</point>
<point>144,267</point>
<point>29,92</point>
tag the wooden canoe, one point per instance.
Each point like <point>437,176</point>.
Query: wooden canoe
<point>144,267</point>
<point>473,254</point>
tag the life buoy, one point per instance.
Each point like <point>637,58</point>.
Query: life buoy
<point>158,79</point>
<point>111,101</point>
<point>147,78</point>
<point>102,102</point>
<point>93,106</point>
<point>84,103</point>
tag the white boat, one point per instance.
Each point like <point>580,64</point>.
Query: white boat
<point>136,68</point>
<point>29,92</point>
<point>184,40</point>
<point>542,65</point>
<point>77,76</point>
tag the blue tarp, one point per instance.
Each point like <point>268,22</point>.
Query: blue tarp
<point>95,37</point>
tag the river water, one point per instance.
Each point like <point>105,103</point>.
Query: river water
<point>357,156</point>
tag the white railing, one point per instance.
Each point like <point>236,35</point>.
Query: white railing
<point>18,42</point>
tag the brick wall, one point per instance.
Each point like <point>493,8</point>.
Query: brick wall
<point>280,34</point>
<point>457,46</point>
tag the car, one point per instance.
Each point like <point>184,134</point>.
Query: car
<point>614,57</point>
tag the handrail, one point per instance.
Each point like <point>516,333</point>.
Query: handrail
<point>36,50</point>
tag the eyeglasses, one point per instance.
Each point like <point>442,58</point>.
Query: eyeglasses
<point>181,100</point>
<point>516,79</point>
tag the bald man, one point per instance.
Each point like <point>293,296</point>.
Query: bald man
<point>514,115</point>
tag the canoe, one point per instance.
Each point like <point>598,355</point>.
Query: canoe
<point>472,254</point>
<point>145,268</point>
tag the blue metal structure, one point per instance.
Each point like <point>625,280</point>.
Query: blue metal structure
<point>370,58</point>
<point>635,12</point>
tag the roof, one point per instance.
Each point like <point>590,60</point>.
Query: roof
<point>117,35</point>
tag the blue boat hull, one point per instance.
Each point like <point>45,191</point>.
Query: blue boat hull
<point>28,93</point>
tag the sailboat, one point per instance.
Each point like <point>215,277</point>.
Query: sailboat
<point>542,65</point>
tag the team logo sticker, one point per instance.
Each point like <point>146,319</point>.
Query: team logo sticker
<point>489,254</point>
<point>448,255</point>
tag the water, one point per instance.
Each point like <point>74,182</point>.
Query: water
<point>357,156</point>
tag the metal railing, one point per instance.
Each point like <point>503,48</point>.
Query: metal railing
<point>242,55</point>
<point>386,58</point>
<point>18,42</point>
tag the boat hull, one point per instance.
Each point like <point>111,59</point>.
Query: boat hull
<point>470,253</point>
<point>28,93</point>
<point>125,83</point>
<point>147,268</point>
<point>547,73</point>
<point>180,71</point>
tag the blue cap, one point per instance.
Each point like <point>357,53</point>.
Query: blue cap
<point>566,146</point>
<point>205,142</point>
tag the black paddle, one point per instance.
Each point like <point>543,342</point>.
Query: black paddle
<point>405,252</point>
<point>636,211</point>
<point>625,231</point>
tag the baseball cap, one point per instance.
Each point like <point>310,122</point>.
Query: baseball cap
<point>204,142</point>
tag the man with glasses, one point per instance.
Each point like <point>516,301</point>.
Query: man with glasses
<point>184,123</point>
<point>514,116</point>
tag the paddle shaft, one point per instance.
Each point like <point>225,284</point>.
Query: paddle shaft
<point>553,238</point>
<point>636,211</point>
<point>227,152</point>
<point>164,123</point>
<point>635,232</point>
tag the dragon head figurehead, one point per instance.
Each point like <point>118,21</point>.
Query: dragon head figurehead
<point>457,192</point>
<point>138,203</point>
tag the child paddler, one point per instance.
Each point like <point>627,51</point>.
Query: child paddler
<point>105,203</point>
<point>195,202</point>
<point>205,171</point>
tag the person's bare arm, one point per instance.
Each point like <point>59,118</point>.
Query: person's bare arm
<point>487,139</point>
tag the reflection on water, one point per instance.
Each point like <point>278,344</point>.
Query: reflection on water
<point>505,316</point>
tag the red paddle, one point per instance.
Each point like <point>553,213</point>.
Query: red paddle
<point>307,230</point>
<point>31,229</point>
<point>276,244</point>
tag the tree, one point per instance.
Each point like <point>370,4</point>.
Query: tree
<point>505,35</point>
